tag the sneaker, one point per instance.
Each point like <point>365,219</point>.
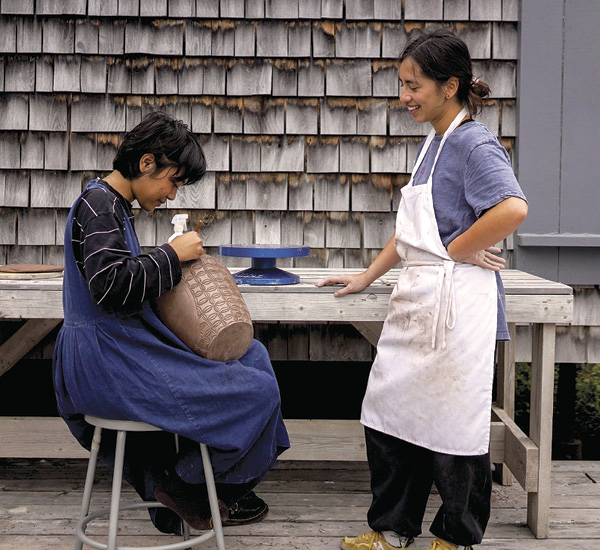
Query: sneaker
<point>440,544</point>
<point>249,509</point>
<point>373,541</point>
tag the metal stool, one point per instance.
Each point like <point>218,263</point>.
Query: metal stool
<point>122,427</point>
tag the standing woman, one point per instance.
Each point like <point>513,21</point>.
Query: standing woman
<point>427,405</point>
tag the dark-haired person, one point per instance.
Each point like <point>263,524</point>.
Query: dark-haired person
<point>427,405</point>
<point>115,359</point>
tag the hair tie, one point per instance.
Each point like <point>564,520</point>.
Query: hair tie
<point>473,82</point>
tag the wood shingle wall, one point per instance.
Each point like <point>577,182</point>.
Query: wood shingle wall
<point>294,101</point>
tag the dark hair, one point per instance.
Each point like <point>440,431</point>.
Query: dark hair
<point>171,143</point>
<point>441,55</point>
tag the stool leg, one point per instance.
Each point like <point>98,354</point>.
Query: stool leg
<point>212,497</point>
<point>116,490</point>
<point>89,480</point>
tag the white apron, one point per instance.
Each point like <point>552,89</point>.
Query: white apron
<point>431,382</point>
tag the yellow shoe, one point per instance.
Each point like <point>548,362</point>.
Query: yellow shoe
<point>440,544</point>
<point>372,541</point>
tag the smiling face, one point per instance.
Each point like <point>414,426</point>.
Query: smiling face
<point>153,189</point>
<point>427,100</point>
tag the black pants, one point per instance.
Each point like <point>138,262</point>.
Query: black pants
<point>402,475</point>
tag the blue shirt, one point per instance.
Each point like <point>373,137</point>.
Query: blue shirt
<point>472,174</point>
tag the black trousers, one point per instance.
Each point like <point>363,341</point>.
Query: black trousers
<point>402,475</point>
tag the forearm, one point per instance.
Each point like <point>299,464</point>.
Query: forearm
<point>494,226</point>
<point>386,260</point>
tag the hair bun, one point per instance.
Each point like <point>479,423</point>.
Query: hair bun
<point>479,88</point>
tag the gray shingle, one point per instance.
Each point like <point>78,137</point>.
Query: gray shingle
<point>216,151</point>
<point>388,155</point>
<point>24,254</point>
<point>232,9</point>
<point>354,155</point>
<point>198,195</point>
<point>58,36</point>
<point>486,10</point>
<point>177,107</point>
<point>32,150</point>
<point>311,79</point>
<point>271,39</point>
<point>67,73</point>
<point>245,155</point>
<point>309,9</point>
<point>387,10</point>
<point>299,38</point>
<point>8,228</point>
<point>17,6</point>
<point>456,10</point>
<point>8,34</point>
<point>111,38</point>
<point>214,77</point>
<point>103,7</point>
<point>349,78</point>
<point>478,38</point>
<point>166,76</point>
<point>129,8</point>
<point>142,75</point>
<point>302,117</point>
<point>198,39</point>
<point>368,40</point>
<point>29,35</point>
<point>510,10</point>
<point>1,74</point>
<point>228,116</point>
<point>412,148</point>
<point>255,9</point>
<point>51,190</point>
<point>345,40</point>
<point>83,152</point>
<point>10,150</point>
<point>322,155</point>
<point>164,38</point>
<point>263,116</point>
<point>267,227</point>
<point>323,39</point>
<point>403,124</point>
<point>393,40</point>
<point>223,39</point>
<point>372,117</point>
<point>86,37</point>
<point>385,79</point>
<point>266,192</point>
<point>56,151</point>
<point>509,119</point>
<point>338,117</point>
<point>292,229</point>
<point>48,113</point>
<point>44,74</point>
<point>367,197</point>
<point>282,9</point>
<point>207,8</point>
<point>19,74</point>
<point>107,151</point>
<point>283,154</point>
<point>182,8</point>
<point>153,8</point>
<point>418,10</point>
<point>13,112</point>
<point>133,112</point>
<point>119,76</point>
<point>342,231</point>
<point>359,10</point>
<point>378,228</point>
<point>232,192</point>
<point>285,78</point>
<point>244,40</point>
<point>505,41</point>
<point>97,114</point>
<point>246,78</point>
<point>332,9</point>
<point>500,76</point>
<point>16,189</point>
<point>490,116</point>
<point>66,7</point>
<point>191,77</point>
<point>201,115</point>
<point>300,192</point>
<point>314,230</point>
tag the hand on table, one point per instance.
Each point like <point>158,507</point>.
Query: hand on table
<point>352,282</point>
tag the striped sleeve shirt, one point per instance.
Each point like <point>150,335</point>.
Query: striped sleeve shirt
<point>117,280</point>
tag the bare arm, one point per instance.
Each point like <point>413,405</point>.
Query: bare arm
<point>386,259</point>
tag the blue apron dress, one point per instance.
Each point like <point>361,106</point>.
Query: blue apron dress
<point>129,365</point>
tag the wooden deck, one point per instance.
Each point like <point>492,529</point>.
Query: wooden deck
<point>313,505</point>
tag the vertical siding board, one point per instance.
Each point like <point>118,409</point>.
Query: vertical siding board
<point>359,10</point>
<point>292,229</point>
<point>378,228</point>
<point>129,8</point>
<point>249,78</point>
<point>385,79</point>
<point>29,35</point>
<point>216,151</point>
<point>17,6</point>
<point>207,9</point>
<point>202,116</point>
<point>456,10</point>
<point>166,76</point>
<point>255,9</point>
<point>97,114</point>
<point>51,190</point>
<point>432,10</point>
<point>153,8</point>
<point>106,151</point>
<point>14,112</point>
<point>244,40</point>
<point>314,230</point>
<point>342,231</point>
<point>214,77</point>
<point>8,228</point>
<point>510,10</point>
<point>402,124</point>
<point>368,40</point>
<point>103,7</point>
<point>282,9</point>
<point>393,40</point>
<point>147,38</point>
<point>191,78</point>
<point>323,39</point>
<point>222,39</point>
<point>338,117</point>
<point>332,9</point>
<point>200,195</point>
<point>367,197</point>
<point>502,77</point>
<point>486,10</point>
<point>264,116</point>
<point>509,119</point>
<point>372,117</point>
<point>198,39</point>
<point>345,41</point>
<point>44,74</point>
<point>387,10</point>
<point>299,38</point>
<point>477,37</point>
<point>119,76</point>
<point>309,9</point>
<point>232,9</point>
<point>505,44</point>
<point>388,155</point>
<point>228,116</point>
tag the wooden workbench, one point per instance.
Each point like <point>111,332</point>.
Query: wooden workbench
<point>529,300</point>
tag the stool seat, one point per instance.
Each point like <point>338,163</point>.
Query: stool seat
<point>122,427</point>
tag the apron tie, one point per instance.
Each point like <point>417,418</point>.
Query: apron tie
<point>444,282</point>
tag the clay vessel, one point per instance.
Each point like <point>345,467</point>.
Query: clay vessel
<point>207,312</point>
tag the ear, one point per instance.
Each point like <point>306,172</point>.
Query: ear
<point>147,163</point>
<point>451,87</point>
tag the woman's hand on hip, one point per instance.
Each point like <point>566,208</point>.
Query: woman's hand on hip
<point>188,246</point>
<point>487,259</point>
<point>351,282</point>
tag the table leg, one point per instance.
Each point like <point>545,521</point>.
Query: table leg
<point>371,330</point>
<point>540,424</point>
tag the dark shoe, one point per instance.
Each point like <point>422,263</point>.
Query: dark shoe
<point>249,509</point>
<point>188,501</point>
